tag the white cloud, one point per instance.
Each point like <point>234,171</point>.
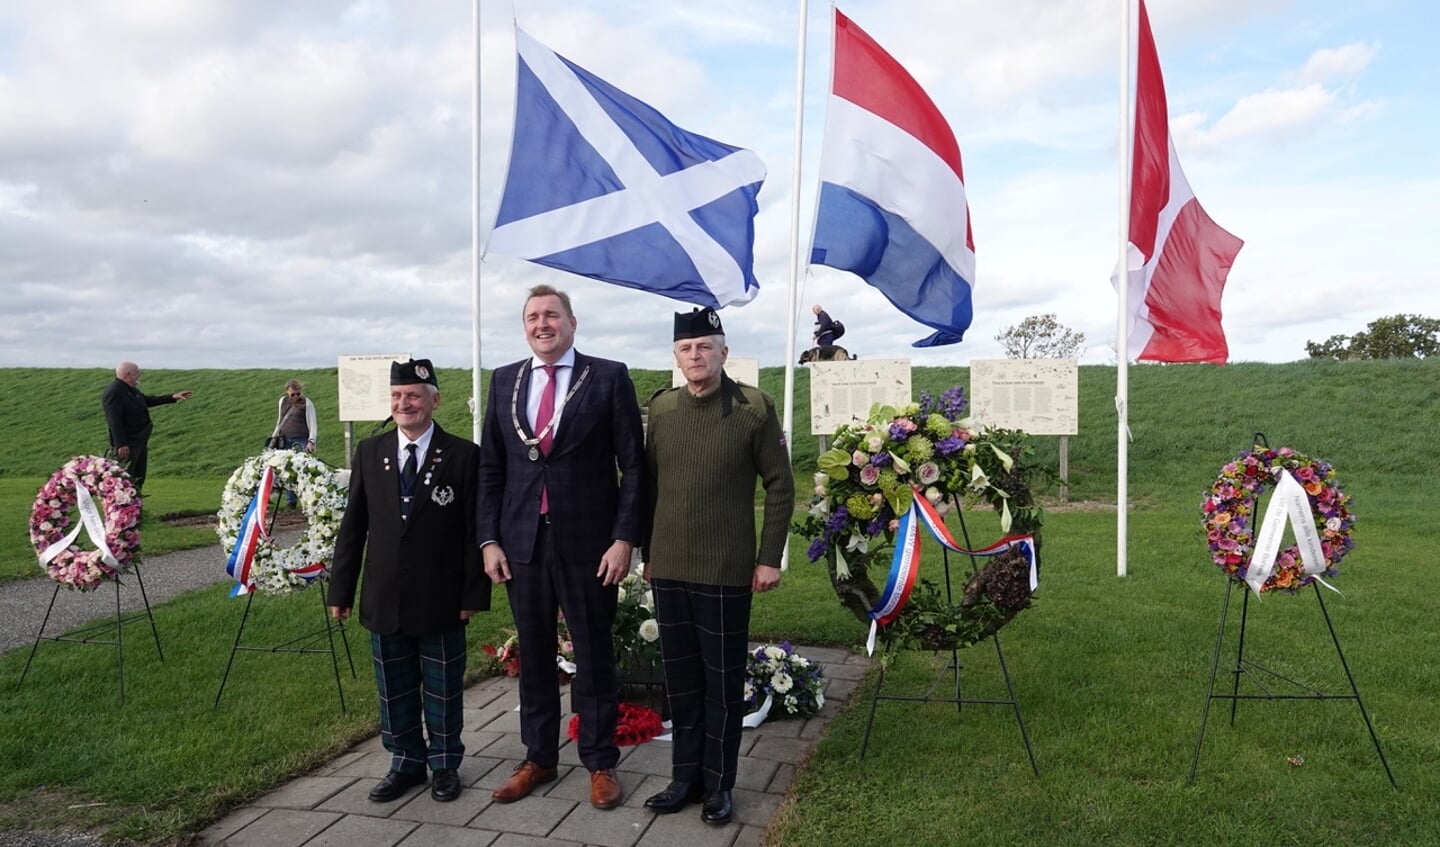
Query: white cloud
<point>1344,62</point>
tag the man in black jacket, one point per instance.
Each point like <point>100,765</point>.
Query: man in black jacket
<point>127,414</point>
<point>409,531</point>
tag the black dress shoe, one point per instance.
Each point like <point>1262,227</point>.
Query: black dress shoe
<point>394,786</point>
<point>676,796</point>
<point>717,808</point>
<point>445,786</point>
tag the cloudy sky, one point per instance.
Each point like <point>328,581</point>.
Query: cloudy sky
<point>264,183</point>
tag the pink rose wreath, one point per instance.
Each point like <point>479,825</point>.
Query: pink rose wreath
<point>112,523</point>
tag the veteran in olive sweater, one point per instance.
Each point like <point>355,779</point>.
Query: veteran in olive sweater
<point>707,444</point>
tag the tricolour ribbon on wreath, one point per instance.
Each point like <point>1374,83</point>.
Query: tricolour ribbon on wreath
<point>248,537</point>
<point>905,563</point>
<point>1289,504</point>
<point>91,522</point>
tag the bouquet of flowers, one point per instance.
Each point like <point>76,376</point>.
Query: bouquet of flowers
<point>637,633</point>
<point>870,477</point>
<point>795,684</point>
<point>506,658</point>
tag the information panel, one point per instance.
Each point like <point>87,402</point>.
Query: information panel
<point>1038,396</point>
<point>843,392</point>
<point>365,386</point>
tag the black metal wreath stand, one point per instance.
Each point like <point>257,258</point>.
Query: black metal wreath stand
<point>306,644</point>
<point>1258,676</point>
<point>92,633</point>
<point>957,696</point>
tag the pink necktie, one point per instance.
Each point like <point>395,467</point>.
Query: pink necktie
<point>542,420</point>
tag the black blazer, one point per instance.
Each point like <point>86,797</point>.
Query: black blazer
<point>418,573</point>
<point>594,475</point>
<point>127,413</point>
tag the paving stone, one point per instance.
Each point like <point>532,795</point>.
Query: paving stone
<point>780,749</point>
<point>436,835</point>
<point>846,671</point>
<point>750,836</point>
<point>479,768</point>
<point>510,839</point>
<point>228,825</point>
<point>307,792</point>
<point>355,799</point>
<point>754,807</point>
<point>780,783</point>
<point>686,828</point>
<point>282,828</point>
<point>780,728</point>
<point>359,829</point>
<point>840,689</point>
<point>620,827</point>
<point>824,655</point>
<point>755,774</point>
<point>650,758</point>
<point>458,812</point>
<point>344,760</point>
<point>368,763</point>
<point>530,816</point>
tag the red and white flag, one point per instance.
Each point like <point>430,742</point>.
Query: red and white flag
<point>1178,257</point>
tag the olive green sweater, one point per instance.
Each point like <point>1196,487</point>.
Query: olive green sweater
<point>703,466</point>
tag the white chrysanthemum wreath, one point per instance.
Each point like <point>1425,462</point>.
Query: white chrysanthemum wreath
<point>321,492</point>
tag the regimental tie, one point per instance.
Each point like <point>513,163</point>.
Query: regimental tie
<point>542,424</point>
<point>407,480</point>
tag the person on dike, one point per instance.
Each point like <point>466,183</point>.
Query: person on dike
<point>411,517</point>
<point>296,427</point>
<point>127,415</point>
<point>295,423</point>
<point>557,525</point>
<point>707,444</point>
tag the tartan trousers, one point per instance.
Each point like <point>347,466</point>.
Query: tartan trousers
<point>417,676</point>
<point>705,643</point>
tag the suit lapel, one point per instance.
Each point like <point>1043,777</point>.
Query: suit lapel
<point>572,423</point>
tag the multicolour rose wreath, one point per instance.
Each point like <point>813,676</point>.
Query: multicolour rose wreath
<point>870,477</point>
<point>1228,515</point>
<point>116,520</point>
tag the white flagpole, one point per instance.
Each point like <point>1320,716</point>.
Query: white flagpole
<point>1122,324</point>
<point>791,294</point>
<point>475,237</point>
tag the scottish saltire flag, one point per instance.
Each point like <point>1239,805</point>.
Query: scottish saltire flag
<point>892,192</point>
<point>1178,258</point>
<point>602,185</point>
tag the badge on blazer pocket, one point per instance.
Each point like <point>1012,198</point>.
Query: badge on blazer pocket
<point>443,496</point>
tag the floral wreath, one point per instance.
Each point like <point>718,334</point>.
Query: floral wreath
<point>1229,515</point>
<point>119,520</point>
<point>869,478</point>
<point>634,724</point>
<point>321,493</point>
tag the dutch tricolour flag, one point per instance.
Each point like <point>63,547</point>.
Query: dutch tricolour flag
<point>892,196</point>
<point>602,185</point>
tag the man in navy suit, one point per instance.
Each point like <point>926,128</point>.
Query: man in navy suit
<point>127,415</point>
<point>562,464</point>
<point>411,513</point>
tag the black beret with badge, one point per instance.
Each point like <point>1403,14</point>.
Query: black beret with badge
<point>697,324</point>
<point>413,372</point>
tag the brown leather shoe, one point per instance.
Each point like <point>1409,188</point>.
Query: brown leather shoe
<point>605,790</point>
<point>527,775</point>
